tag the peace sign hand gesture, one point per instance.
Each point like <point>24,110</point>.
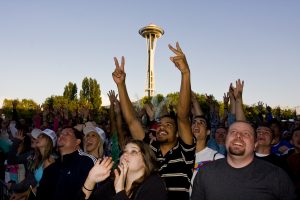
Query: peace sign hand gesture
<point>179,59</point>
<point>119,74</point>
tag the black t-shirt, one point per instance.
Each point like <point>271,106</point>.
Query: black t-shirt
<point>258,180</point>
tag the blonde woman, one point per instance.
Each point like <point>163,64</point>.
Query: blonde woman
<point>93,142</point>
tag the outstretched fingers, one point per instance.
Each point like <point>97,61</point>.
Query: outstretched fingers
<point>176,51</point>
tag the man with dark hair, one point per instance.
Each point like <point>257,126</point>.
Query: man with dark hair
<point>204,154</point>
<point>280,146</point>
<point>241,175</point>
<point>63,179</point>
<point>174,147</point>
<point>264,141</point>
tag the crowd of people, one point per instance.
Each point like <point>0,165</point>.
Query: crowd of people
<point>182,153</point>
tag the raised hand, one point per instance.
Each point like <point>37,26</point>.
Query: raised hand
<point>179,59</point>
<point>150,110</point>
<point>119,74</point>
<point>231,92</point>
<point>226,98</point>
<point>112,96</point>
<point>101,170</point>
<point>120,178</point>
<point>260,105</point>
<point>20,135</point>
<point>238,90</point>
<point>209,99</point>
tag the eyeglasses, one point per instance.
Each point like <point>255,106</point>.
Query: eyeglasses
<point>131,153</point>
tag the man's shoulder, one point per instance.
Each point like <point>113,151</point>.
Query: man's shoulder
<point>85,157</point>
<point>266,166</point>
<point>215,165</point>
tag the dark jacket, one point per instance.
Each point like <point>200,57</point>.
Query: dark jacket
<point>63,179</point>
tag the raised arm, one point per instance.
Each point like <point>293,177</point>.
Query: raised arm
<point>196,109</point>
<point>238,92</point>
<point>133,123</point>
<point>232,99</point>
<point>225,113</point>
<point>184,102</point>
<point>121,138</point>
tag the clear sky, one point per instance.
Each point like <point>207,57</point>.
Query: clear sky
<point>46,44</point>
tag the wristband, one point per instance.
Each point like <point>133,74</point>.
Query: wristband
<point>87,189</point>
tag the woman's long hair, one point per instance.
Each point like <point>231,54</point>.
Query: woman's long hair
<point>149,159</point>
<point>48,151</point>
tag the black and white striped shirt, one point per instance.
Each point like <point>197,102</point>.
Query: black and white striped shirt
<point>176,168</point>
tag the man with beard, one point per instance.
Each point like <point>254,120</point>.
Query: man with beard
<point>240,175</point>
<point>174,148</point>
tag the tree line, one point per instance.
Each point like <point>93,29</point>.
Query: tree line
<point>90,99</point>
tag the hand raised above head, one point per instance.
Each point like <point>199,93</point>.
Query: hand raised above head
<point>238,90</point>
<point>179,59</point>
<point>226,98</point>
<point>101,170</point>
<point>112,96</point>
<point>150,110</point>
<point>119,73</point>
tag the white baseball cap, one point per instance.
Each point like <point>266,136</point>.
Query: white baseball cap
<point>36,132</point>
<point>51,134</point>
<point>99,131</point>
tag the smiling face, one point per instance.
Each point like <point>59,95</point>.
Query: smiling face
<point>166,132</point>
<point>199,128</point>
<point>240,140</point>
<point>133,156</point>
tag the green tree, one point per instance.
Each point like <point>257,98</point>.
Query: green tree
<point>70,91</point>
<point>25,108</point>
<point>173,99</point>
<point>90,94</point>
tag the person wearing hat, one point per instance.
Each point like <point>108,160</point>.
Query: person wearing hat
<point>28,159</point>
<point>93,142</point>
<point>63,179</point>
<point>46,142</point>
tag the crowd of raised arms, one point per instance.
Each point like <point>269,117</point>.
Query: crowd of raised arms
<point>181,153</point>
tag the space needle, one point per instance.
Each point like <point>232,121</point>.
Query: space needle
<point>151,33</point>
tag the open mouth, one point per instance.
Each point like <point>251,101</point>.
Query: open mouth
<point>238,144</point>
<point>162,133</point>
<point>196,130</point>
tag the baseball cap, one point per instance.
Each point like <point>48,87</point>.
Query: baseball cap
<point>51,134</point>
<point>36,132</point>
<point>99,131</point>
